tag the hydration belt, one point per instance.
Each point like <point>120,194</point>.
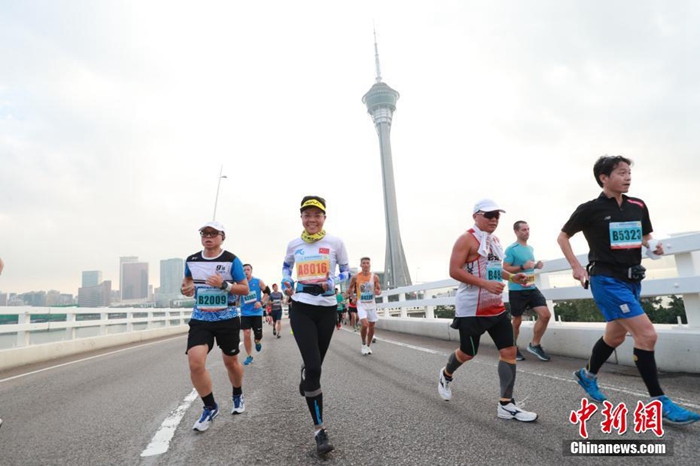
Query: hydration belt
<point>314,290</point>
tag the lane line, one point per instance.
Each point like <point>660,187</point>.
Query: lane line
<point>161,440</point>
<point>85,359</point>
<point>160,443</point>
<point>689,403</point>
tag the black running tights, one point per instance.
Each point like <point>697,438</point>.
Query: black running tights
<point>313,328</point>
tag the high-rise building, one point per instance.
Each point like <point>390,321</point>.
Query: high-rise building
<point>171,273</point>
<point>92,278</point>
<point>122,261</point>
<point>95,296</point>
<point>381,104</point>
<point>134,281</point>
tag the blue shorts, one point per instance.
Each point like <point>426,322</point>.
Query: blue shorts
<point>615,298</point>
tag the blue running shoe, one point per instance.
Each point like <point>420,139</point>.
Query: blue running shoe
<point>590,385</point>
<point>248,361</point>
<point>238,404</point>
<point>206,419</point>
<point>258,346</point>
<point>674,414</point>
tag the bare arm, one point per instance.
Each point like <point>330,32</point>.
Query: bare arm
<point>579,272</point>
<point>377,286</point>
<point>462,250</point>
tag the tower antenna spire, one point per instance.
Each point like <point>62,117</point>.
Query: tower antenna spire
<point>376,56</point>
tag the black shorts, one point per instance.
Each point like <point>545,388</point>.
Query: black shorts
<point>226,333</point>
<point>352,309</point>
<point>471,329</point>
<point>276,315</point>
<point>521,301</point>
<point>254,322</point>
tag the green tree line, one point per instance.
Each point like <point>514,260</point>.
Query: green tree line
<point>585,310</point>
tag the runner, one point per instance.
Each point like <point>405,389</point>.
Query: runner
<point>366,286</point>
<point>616,227</point>
<point>275,299</point>
<point>252,307</point>
<point>520,257</point>
<point>476,262</point>
<point>352,312</point>
<point>313,314</point>
<point>341,307</point>
<point>214,277</point>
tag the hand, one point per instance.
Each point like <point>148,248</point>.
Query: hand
<point>493,286</point>
<point>520,278</point>
<point>187,289</point>
<point>529,265</point>
<point>215,280</point>
<point>328,284</point>
<point>659,249</point>
<point>539,265</point>
<point>258,305</point>
<point>581,275</point>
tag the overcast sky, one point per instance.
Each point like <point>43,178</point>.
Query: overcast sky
<point>115,118</point>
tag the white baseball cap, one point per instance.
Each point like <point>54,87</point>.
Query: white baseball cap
<point>215,225</point>
<point>487,205</point>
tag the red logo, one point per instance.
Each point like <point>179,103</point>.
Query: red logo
<point>324,251</point>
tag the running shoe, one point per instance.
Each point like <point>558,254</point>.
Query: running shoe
<point>238,404</point>
<point>374,339</point>
<point>369,350</point>
<point>444,386</point>
<point>518,355</point>
<point>363,351</point>
<point>538,351</point>
<point>511,411</point>
<point>258,346</point>
<point>205,420</point>
<point>323,446</point>
<point>279,335</point>
<point>248,361</point>
<point>274,332</point>
<point>302,392</point>
<point>590,385</point>
<point>338,325</point>
<point>674,414</point>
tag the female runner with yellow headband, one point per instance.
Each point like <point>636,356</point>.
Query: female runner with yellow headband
<point>314,256</point>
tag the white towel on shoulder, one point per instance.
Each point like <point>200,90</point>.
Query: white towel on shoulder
<point>488,243</point>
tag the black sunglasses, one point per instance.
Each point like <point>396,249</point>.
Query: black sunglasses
<point>490,215</point>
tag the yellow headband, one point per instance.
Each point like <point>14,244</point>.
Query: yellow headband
<point>313,203</point>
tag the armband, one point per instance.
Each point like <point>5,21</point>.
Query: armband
<point>521,267</point>
<point>512,278</point>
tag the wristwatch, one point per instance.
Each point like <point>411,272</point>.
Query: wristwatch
<point>224,285</point>
<point>521,267</point>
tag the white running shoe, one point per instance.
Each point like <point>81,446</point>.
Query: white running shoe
<point>369,350</point>
<point>444,386</point>
<point>364,350</point>
<point>510,411</point>
<point>205,420</point>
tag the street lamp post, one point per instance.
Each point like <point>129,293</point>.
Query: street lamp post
<point>218,185</point>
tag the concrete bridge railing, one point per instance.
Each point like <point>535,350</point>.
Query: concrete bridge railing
<point>676,348</point>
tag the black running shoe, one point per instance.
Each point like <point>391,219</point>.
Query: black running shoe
<point>323,446</point>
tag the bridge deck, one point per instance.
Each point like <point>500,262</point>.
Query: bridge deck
<point>380,409</point>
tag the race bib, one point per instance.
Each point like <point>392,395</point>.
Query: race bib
<point>313,270</point>
<point>250,298</point>
<point>211,299</point>
<point>625,235</point>
<point>494,271</point>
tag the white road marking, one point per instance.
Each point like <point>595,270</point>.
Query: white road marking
<point>85,359</point>
<point>161,440</point>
